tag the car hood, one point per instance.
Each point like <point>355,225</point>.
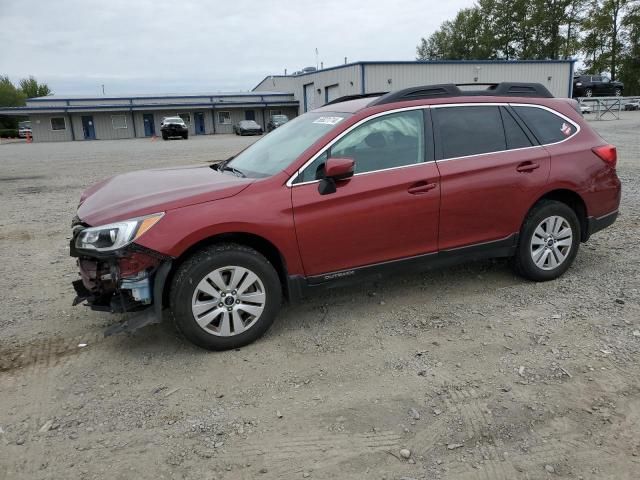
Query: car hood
<point>149,191</point>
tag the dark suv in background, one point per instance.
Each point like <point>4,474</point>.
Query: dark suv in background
<point>596,85</point>
<point>174,127</point>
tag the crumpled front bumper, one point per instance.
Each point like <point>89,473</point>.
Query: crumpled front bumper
<point>129,281</point>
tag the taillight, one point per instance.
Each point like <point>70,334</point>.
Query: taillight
<point>607,154</point>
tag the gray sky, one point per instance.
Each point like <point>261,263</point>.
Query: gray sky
<point>152,46</point>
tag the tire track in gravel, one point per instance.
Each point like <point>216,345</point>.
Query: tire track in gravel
<point>42,354</point>
<point>327,450</point>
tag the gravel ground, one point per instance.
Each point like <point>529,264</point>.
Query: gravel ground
<point>464,373</point>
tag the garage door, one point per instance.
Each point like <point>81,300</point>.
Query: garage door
<point>331,93</point>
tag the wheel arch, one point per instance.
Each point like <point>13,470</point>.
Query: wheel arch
<point>258,243</point>
<point>572,200</point>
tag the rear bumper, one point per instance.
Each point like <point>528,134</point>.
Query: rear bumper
<point>595,224</point>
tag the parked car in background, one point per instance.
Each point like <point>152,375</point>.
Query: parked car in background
<point>584,108</point>
<point>247,127</point>
<point>633,105</point>
<point>596,85</point>
<point>276,121</point>
<point>24,128</point>
<point>414,179</point>
<point>174,127</point>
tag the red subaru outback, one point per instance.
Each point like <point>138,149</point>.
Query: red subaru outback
<point>416,178</point>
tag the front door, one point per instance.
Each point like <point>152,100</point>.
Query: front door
<point>88,127</point>
<point>149,125</point>
<point>489,176</point>
<point>308,94</point>
<point>199,119</point>
<point>388,210</point>
<point>249,114</point>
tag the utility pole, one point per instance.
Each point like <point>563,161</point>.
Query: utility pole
<point>103,89</point>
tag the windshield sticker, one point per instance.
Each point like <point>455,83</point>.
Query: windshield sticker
<point>328,120</point>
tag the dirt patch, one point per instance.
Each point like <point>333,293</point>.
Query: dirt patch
<point>476,372</point>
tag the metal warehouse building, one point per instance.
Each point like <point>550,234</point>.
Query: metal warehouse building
<point>57,118</point>
<point>314,89</point>
<point>113,117</point>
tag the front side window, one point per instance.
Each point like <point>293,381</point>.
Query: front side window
<point>393,140</point>
<point>545,125</point>
<point>390,141</point>
<point>119,121</point>
<point>276,151</point>
<point>469,130</point>
<point>58,123</point>
<point>224,118</point>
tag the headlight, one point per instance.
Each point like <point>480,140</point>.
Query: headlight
<point>115,235</point>
<point>579,84</point>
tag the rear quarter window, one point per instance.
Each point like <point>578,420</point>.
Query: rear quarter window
<point>545,125</point>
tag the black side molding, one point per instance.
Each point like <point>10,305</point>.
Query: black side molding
<point>299,285</point>
<point>596,224</point>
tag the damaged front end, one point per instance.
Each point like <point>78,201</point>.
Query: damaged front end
<point>118,276</point>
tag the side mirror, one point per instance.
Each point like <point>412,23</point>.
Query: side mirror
<point>335,169</point>
<point>339,168</point>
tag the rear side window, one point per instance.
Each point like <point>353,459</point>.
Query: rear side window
<point>546,126</point>
<point>516,138</point>
<point>469,130</point>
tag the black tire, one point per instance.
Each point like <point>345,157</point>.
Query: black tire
<point>185,136</point>
<point>165,137</point>
<point>201,264</point>
<point>523,262</point>
<point>588,92</point>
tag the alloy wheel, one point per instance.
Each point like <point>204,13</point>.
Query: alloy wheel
<point>551,242</point>
<point>228,301</point>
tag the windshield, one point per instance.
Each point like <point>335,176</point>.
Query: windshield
<point>276,151</point>
<point>173,120</point>
<point>280,118</point>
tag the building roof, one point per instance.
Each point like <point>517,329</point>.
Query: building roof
<point>410,62</point>
<point>50,98</point>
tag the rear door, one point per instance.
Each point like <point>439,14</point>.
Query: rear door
<point>491,171</point>
<point>388,210</point>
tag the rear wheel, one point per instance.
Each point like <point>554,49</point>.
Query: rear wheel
<point>225,296</point>
<point>549,241</point>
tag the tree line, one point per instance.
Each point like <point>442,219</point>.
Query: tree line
<point>605,34</point>
<point>16,95</point>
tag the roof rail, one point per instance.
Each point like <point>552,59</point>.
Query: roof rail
<point>503,89</point>
<point>346,98</point>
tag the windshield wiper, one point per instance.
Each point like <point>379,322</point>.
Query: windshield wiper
<point>235,171</point>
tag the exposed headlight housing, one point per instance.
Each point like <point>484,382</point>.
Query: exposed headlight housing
<point>114,236</point>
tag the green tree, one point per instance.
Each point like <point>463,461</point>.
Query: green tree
<point>605,34</point>
<point>630,60</point>
<point>10,96</point>
<point>31,88</point>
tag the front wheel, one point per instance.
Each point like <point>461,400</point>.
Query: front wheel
<point>618,92</point>
<point>549,241</point>
<point>588,92</point>
<point>225,296</point>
